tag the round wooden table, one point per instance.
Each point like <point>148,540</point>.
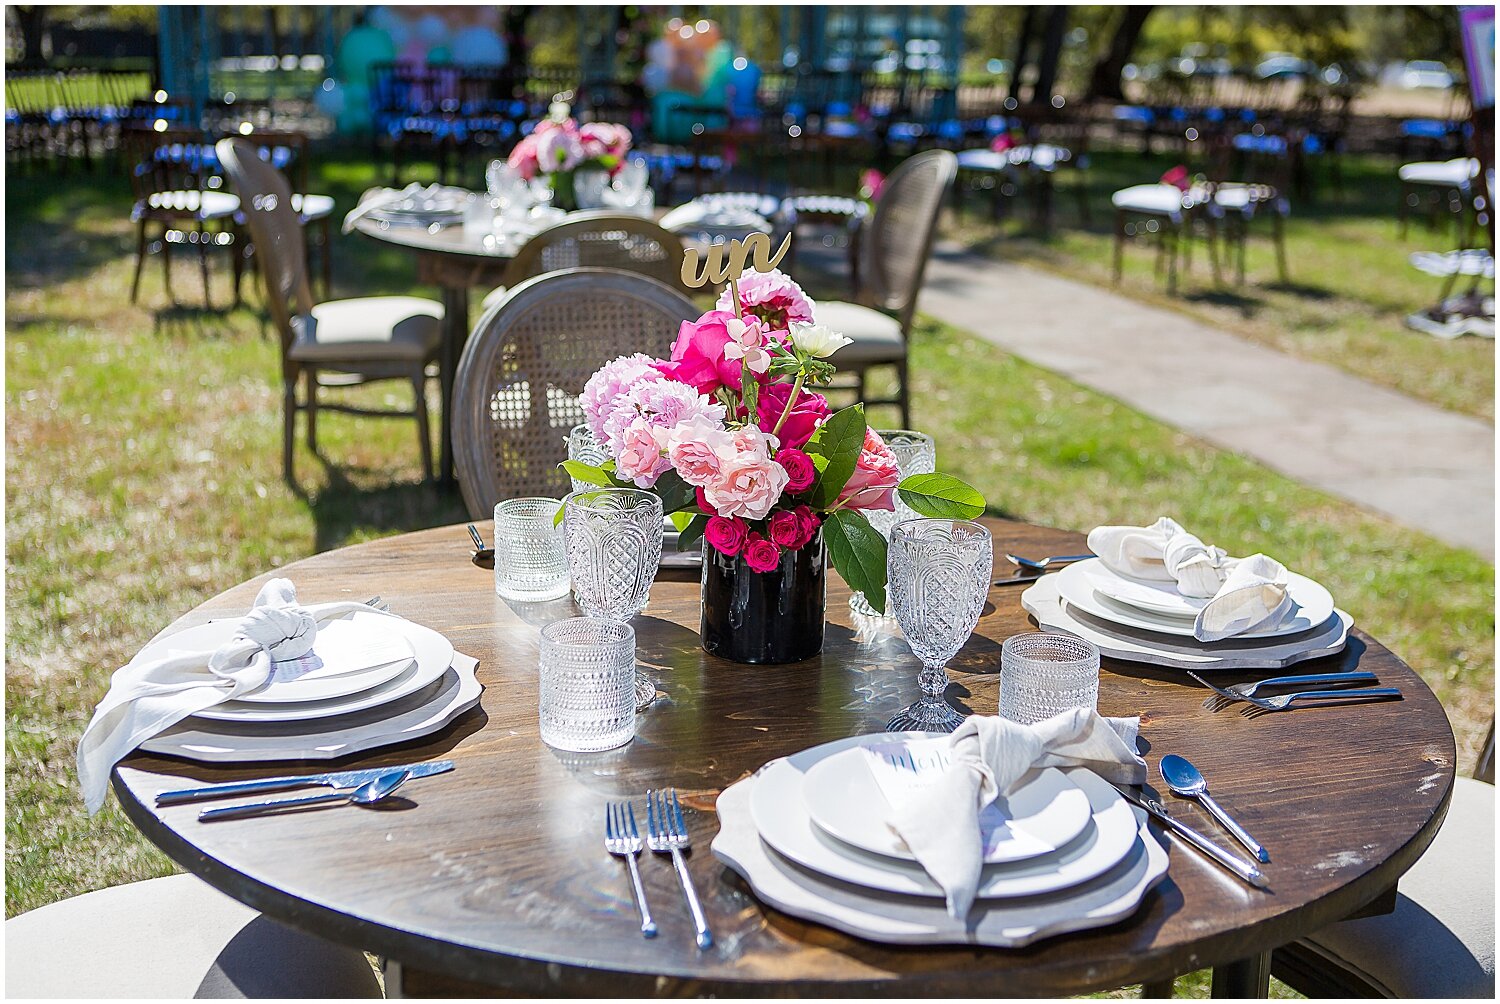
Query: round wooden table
<point>495,873</point>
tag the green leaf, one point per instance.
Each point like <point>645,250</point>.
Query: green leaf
<point>839,440</point>
<point>680,520</point>
<point>857,550</point>
<point>676,494</point>
<point>941,496</point>
<point>589,474</point>
<point>691,533</point>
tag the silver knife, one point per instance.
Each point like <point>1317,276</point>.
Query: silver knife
<point>336,779</point>
<point>1234,863</point>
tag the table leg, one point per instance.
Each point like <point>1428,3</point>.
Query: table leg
<point>1248,978</point>
<point>1159,990</point>
<point>455,333</point>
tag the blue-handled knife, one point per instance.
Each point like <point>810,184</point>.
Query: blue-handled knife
<point>336,779</point>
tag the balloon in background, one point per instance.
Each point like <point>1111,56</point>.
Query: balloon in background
<point>440,56</point>
<point>479,46</point>
<point>743,85</point>
<point>329,98</point>
<point>414,53</point>
<point>393,24</point>
<point>361,47</point>
<point>432,30</point>
<point>716,62</point>
<point>355,115</point>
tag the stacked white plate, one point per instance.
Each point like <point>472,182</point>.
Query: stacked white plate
<point>1063,852</point>
<point>1146,621</point>
<point>433,204</point>
<point>371,680</point>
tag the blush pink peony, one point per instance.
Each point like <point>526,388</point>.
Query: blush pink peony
<point>876,475</point>
<point>699,449</point>
<point>772,297</point>
<point>640,456</point>
<point>748,486</point>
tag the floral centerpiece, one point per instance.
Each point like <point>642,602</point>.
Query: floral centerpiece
<point>748,456</point>
<point>559,148</point>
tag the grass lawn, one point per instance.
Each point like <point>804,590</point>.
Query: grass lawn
<point>1349,284</point>
<point>143,476</point>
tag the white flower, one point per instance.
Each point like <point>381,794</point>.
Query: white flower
<point>817,340</point>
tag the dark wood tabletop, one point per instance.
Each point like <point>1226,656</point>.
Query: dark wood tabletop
<point>495,873</point>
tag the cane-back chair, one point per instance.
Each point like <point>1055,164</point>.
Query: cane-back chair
<point>516,396</point>
<point>366,339</point>
<point>601,240</point>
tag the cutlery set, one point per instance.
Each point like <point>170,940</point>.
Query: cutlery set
<point>666,833</point>
<point>1248,693</point>
<point>360,787</point>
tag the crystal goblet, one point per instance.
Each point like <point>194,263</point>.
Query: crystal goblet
<point>915,453</point>
<point>938,575</point>
<point>583,446</point>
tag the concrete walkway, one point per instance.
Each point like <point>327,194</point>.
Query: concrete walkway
<point>1428,468</point>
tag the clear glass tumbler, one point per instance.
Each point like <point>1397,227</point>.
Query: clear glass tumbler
<point>613,538</point>
<point>915,453</point>
<point>1044,674</point>
<point>530,561</point>
<point>586,701</point>
<point>584,447</point>
<point>938,574</point>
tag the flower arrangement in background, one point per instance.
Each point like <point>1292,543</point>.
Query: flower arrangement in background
<point>559,146</point>
<point>744,451</point>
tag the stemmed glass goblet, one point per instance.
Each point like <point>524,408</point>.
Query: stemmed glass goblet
<point>915,453</point>
<point>938,575</point>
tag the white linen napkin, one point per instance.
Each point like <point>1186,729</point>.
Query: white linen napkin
<point>378,198</point>
<point>1244,593</point>
<point>940,822</point>
<point>147,696</point>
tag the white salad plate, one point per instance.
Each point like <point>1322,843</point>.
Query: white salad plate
<point>1045,812</point>
<point>432,653</point>
<point>1107,837</point>
<point>1043,601</point>
<point>417,715</point>
<point>1158,606</point>
<point>903,919</point>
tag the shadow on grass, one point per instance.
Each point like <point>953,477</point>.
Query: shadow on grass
<point>1300,290</point>
<point>343,510</point>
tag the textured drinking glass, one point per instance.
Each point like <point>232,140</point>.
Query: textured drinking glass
<point>938,574</point>
<point>530,561</point>
<point>584,447</point>
<point>587,697</point>
<point>915,453</point>
<point>1042,675</point>
<point>613,538</point>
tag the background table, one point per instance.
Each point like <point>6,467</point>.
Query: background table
<point>495,873</point>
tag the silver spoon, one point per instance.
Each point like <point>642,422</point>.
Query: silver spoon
<point>366,794</point>
<point>1040,564</point>
<point>1186,782</point>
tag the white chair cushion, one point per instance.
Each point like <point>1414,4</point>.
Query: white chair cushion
<point>1440,941</point>
<point>877,337</point>
<point>312,207</point>
<point>1159,199</point>
<point>177,938</point>
<point>370,328</point>
<point>983,160</point>
<point>207,205</point>
<point>1456,172</point>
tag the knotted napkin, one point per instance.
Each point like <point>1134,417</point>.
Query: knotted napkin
<point>940,823</point>
<point>1243,593</point>
<point>378,198</point>
<point>147,696</point>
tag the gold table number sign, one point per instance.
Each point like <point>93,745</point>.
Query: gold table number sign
<point>726,262</point>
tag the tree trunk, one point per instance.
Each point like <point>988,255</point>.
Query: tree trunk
<point>1023,47</point>
<point>516,16</point>
<point>1052,40</point>
<point>32,22</point>
<point>1106,79</point>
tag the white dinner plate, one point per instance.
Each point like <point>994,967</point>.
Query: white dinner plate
<point>1044,813</point>
<point>419,714</point>
<point>1107,837</point>
<point>893,918</point>
<point>433,655</point>
<point>1096,590</point>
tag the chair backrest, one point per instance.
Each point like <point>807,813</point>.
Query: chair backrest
<point>266,202</point>
<point>898,235</point>
<point>523,369</point>
<point>168,160</point>
<point>601,240</point>
<point>287,152</point>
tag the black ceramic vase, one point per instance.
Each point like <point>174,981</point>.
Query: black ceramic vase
<point>765,617</point>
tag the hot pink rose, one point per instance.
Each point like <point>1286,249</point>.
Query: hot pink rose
<point>1177,177</point>
<point>640,456</point>
<point>727,536</point>
<point>698,355</point>
<point>703,502</point>
<point>810,411</point>
<point>873,483</point>
<point>785,529</point>
<point>523,158</point>
<point>760,554</point>
<point>604,139</point>
<point>808,522</point>
<point>749,486</point>
<point>800,472</point>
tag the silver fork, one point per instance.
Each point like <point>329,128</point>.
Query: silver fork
<point>623,839</point>
<point>376,603</point>
<point>1266,705</point>
<point>666,833</point>
<point>1225,696</point>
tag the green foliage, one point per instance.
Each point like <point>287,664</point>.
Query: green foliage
<point>838,441</point>
<point>690,534</point>
<point>857,551</point>
<point>941,496</point>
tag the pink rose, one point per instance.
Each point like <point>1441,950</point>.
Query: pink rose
<point>760,554</point>
<point>726,535</point>
<point>1002,142</point>
<point>810,411</point>
<point>604,139</point>
<point>871,182</point>
<point>808,522</point>
<point>558,149</point>
<point>873,483</point>
<point>699,451</point>
<point>640,456</point>
<point>800,472</point>
<point>749,486</point>
<point>1177,177</point>
<point>523,158</point>
<point>785,529</point>
<point>698,355</point>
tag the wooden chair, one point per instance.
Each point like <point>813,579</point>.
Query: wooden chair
<point>895,246</point>
<point>1439,941</point>
<point>1169,214</point>
<point>366,339</point>
<point>287,152</point>
<point>524,367</point>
